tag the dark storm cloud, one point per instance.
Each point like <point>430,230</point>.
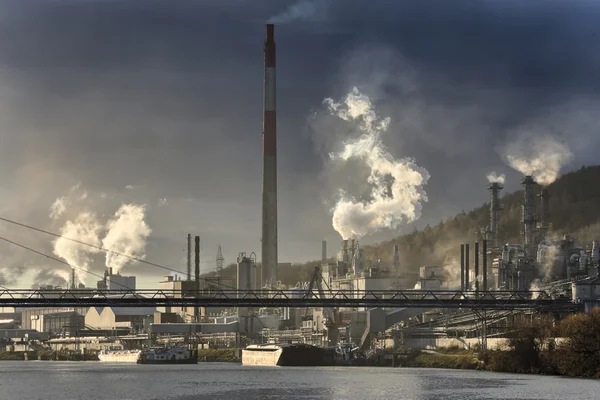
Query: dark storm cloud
<point>167,96</point>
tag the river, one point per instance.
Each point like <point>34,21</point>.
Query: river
<point>41,380</point>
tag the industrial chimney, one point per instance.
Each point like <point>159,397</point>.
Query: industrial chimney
<point>396,260</point>
<point>494,209</point>
<point>269,203</point>
<point>324,250</point>
<point>544,213</point>
<point>529,218</point>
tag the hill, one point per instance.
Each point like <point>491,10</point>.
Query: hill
<point>574,210</point>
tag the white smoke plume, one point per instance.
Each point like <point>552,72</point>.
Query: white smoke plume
<point>305,10</point>
<point>396,185</point>
<point>540,156</point>
<point>58,208</point>
<point>84,228</point>
<point>536,286</point>
<point>127,234</point>
<point>493,177</point>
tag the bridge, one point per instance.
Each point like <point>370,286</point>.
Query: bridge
<point>488,300</point>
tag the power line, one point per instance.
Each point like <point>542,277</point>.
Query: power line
<point>57,260</point>
<point>89,245</point>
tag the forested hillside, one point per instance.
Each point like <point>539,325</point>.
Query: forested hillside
<point>574,210</point>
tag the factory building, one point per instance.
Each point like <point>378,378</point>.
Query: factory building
<point>134,318</point>
<point>116,282</point>
<point>30,317</point>
<point>176,288</point>
<point>65,323</point>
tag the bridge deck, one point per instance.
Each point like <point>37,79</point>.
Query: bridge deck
<point>284,298</point>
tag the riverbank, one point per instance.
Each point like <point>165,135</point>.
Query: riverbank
<point>445,358</point>
<point>46,355</point>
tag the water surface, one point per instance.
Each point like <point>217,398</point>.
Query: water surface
<point>33,380</point>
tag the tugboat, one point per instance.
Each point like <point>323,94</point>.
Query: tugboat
<point>171,355</point>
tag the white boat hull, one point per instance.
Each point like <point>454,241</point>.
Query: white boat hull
<point>130,357</point>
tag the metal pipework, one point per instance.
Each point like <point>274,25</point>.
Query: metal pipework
<point>269,198</point>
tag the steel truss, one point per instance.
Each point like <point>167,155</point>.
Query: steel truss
<point>503,300</point>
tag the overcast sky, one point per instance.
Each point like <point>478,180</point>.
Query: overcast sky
<point>142,101</point>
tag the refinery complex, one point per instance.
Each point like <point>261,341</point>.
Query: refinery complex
<point>561,267</point>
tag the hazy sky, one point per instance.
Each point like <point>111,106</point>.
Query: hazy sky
<point>142,101</point>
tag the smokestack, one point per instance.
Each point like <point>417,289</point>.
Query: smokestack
<point>485,266</point>
<point>495,207</point>
<point>595,252</point>
<point>396,259</point>
<point>462,267</point>
<point>269,205</point>
<point>544,213</point>
<point>197,273</point>
<point>476,266</point>
<point>528,219</point>
<point>324,250</point>
<point>73,280</point>
<point>467,287</point>
<point>189,257</point>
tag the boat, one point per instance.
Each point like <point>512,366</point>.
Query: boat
<point>119,355</point>
<point>170,355</point>
<point>298,355</point>
<point>348,355</point>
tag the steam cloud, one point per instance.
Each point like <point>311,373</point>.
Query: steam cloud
<point>305,10</point>
<point>84,228</point>
<point>50,277</point>
<point>495,178</point>
<point>10,275</point>
<point>127,234</point>
<point>539,156</point>
<point>396,185</point>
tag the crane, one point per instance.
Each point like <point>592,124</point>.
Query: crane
<point>333,321</point>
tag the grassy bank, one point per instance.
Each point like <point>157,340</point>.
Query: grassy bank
<point>45,355</point>
<point>446,359</point>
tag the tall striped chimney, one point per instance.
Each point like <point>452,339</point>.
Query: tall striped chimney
<point>269,204</point>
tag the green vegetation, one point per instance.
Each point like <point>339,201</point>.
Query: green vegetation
<point>532,348</point>
<point>218,355</point>
<point>444,360</point>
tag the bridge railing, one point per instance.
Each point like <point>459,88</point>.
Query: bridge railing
<point>279,298</point>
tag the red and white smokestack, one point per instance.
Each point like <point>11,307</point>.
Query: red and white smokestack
<point>269,208</point>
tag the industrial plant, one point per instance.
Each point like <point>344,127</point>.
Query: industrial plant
<point>560,267</point>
